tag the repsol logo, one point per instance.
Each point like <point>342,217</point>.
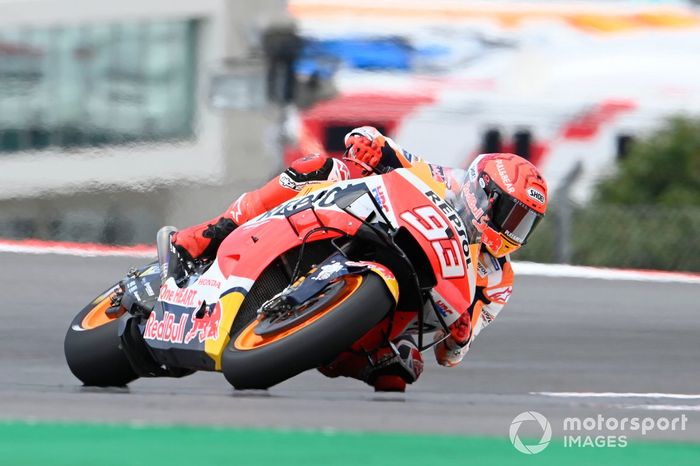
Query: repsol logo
<point>455,219</point>
<point>536,195</point>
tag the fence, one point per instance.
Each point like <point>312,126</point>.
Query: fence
<point>634,236</point>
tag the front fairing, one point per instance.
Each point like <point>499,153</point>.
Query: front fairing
<point>421,206</point>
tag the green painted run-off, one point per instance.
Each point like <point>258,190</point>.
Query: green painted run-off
<point>58,444</point>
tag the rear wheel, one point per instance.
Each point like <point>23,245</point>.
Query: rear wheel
<point>93,347</point>
<point>268,351</point>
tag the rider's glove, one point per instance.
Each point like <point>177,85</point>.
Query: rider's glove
<point>448,352</point>
<point>364,145</point>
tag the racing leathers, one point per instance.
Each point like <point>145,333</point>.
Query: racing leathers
<point>392,367</point>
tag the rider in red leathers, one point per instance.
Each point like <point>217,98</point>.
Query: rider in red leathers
<point>517,199</point>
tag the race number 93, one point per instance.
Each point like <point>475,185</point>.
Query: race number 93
<point>433,226</point>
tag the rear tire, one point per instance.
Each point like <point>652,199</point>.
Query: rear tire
<point>95,355</point>
<point>309,344</point>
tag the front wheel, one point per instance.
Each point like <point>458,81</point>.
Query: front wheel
<point>93,347</point>
<point>284,347</point>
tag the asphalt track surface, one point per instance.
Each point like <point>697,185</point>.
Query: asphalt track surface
<point>556,335</point>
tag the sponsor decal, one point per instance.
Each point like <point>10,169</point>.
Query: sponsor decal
<point>492,239</point>
<point>209,282</point>
<point>494,262</point>
<point>481,224</point>
<point>148,288</point>
<point>327,271</point>
<point>340,171</point>
<point>499,295</point>
<point>287,182</point>
<point>165,330</point>
<point>486,316</point>
<point>471,203</point>
<point>438,172</point>
<point>454,218</point>
<point>382,271</point>
<point>236,212</point>
<point>504,176</point>
<point>536,195</point>
<point>443,308</point>
<point>132,286</point>
<point>429,223</point>
<point>323,198</point>
<point>482,271</point>
<point>205,327</point>
<point>181,296</point>
<point>379,196</point>
<point>514,237</point>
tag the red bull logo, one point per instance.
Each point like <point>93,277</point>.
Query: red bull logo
<point>166,329</point>
<point>207,326</point>
<point>492,239</point>
<point>471,203</point>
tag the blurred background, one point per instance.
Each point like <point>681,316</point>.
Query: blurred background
<point>119,117</point>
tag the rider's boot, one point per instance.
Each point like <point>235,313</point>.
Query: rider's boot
<point>392,371</point>
<point>388,370</point>
<point>203,240</point>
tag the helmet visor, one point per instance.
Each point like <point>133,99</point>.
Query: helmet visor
<point>514,219</point>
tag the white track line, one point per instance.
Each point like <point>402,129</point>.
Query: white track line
<point>675,396</point>
<point>665,407</point>
<point>578,271</point>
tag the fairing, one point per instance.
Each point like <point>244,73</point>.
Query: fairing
<point>190,326</point>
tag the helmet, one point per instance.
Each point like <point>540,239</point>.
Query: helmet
<point>506,197</point>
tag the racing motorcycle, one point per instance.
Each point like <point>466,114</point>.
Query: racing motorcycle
<point>345,266</point>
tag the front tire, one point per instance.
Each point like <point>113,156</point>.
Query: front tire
<point>93,348</point>
<point>257,362</point>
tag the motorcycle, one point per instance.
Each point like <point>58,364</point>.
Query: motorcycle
<point>345,266</point>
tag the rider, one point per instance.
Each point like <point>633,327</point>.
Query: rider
<point>515,196</point>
